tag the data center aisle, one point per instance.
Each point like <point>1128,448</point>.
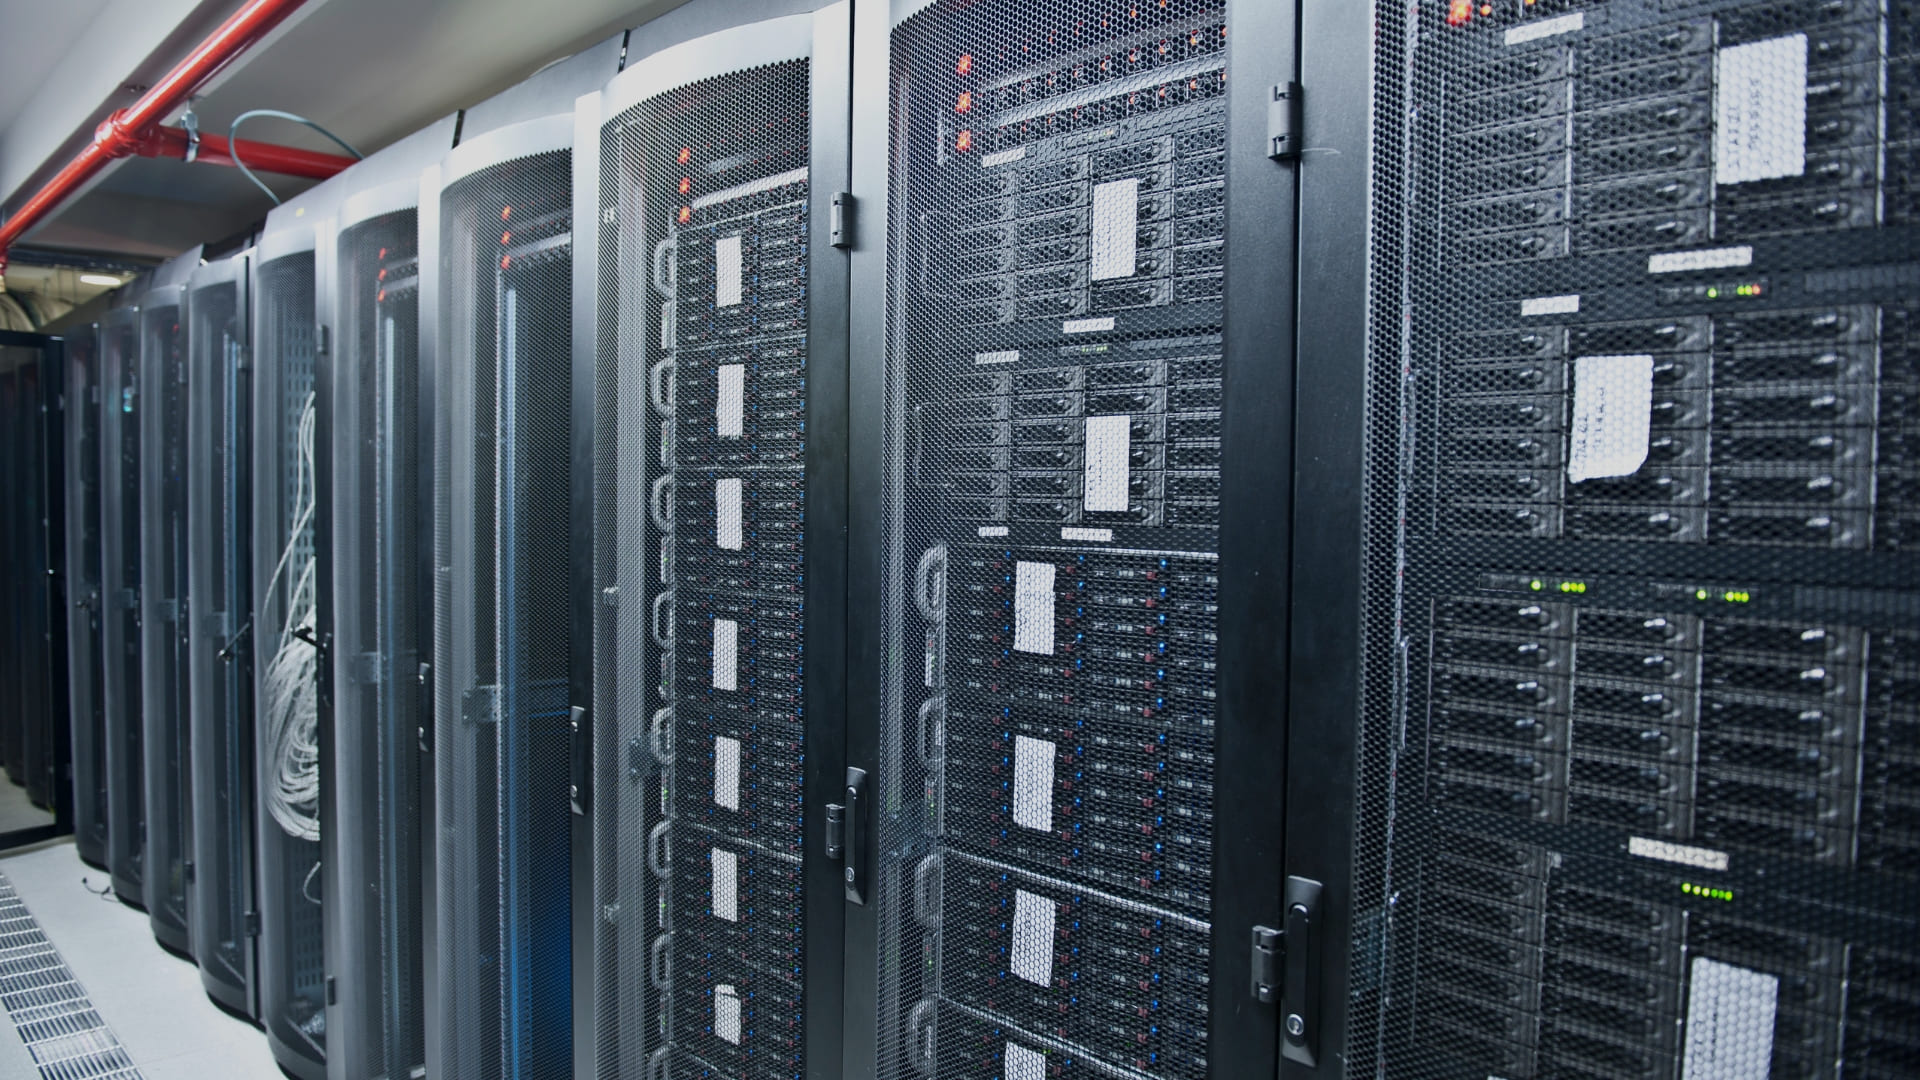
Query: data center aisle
<point>150,999</point>
<point>17,810</point>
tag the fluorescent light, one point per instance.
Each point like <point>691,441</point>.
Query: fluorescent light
<point>111,281</point>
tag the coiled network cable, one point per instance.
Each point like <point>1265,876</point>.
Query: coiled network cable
<point>290,686</point>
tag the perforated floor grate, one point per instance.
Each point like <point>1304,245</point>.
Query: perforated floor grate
<point>50,1009</point>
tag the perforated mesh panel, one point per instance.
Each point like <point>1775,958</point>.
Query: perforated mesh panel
<point>503,722</point>
<point>34,497</point>
<point>120,598</point>
<point>1639,747</point>
<point>163,607</point>
<point>291,973</point>
<point>700,633</point>
<point>380,619</point>
<point>219,603</point>
<point>1044,867</point>
<point>85,677</point>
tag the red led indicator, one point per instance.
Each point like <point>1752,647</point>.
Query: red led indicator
<point>965,64</point>
<point>1459,11</point>
<point>383,253</point>
<point>382,275</point>
<point>506,261</point>
<point>380,297</point>
<point>506,212</point>
<point>965,104</point>
<point>686,184</point>
<point>686,154</point>
<point>506,237</point>
<point>686,214</point>
<point>963,141</point>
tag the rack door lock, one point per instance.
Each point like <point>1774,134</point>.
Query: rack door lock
<point>1286,970</point>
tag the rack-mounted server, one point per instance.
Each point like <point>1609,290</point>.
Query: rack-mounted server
<point>1626,413</point>
<point>497,231</point>
<point>166,703</point>
<point>120,404</point>
<point>381,420</point>
<point>287,636</point>
<point>84,535</point>
<point>32,377</point>
<point>219,586</point>
<point>714,687</point>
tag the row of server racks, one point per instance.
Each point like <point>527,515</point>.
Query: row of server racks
<point>766,551</point>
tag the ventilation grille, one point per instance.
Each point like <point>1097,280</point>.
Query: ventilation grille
<point>49,1008</point>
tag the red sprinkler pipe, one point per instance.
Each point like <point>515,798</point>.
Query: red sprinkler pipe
<point>173,142</point>
<point>122,133</point>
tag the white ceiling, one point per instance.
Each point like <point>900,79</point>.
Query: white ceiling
<point>370,70</point>
<point>34,36</point>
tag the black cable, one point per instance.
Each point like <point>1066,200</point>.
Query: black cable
<point>233,148</point>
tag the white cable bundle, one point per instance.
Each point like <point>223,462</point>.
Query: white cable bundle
<point>290,711</point>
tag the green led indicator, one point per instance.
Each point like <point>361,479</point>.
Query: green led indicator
<point>1737,596</point>
<point>1536,584</point>
<point>1699,594</point>
<point>1713,293</point>
<point>1707,892</point>
<point>1573,586</point>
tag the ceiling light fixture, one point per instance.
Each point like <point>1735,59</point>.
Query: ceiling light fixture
<point>109,280</point>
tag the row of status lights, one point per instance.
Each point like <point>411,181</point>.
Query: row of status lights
<point>1462,12</point>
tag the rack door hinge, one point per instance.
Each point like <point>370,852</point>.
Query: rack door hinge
<point>250,923</point>
<point>320,339</point>
<point>1286,969</point>
<point>840,220</point>
<point>1284,123</point>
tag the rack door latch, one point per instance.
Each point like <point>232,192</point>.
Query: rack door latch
<point>1285,117</point>
<point>1286,970</point>
<point>840,220</point>
<point>846,822</point>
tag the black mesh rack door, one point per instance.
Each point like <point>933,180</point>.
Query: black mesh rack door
<point>1637,397</point>
<point>716,160</point>
<point>1046,866</point>
<point>34,374</point>
<point>286,682</point>
<point>218,614</point>
<point>85,678</point>
<point>120,411</point>
<point>502,542</point>
<point>382,620</point>
<point>166,706</point>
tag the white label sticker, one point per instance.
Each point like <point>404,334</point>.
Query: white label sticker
<point>1001,157</point>
<point>1546,28</point>
<point>726,885</point>
<point>1730,1012</point>
<point>726,772</point>
<point>726,654</point>
<point>729,276</point>
<point>1612,416</point>
<point>726,513</point>
<point>726,1013</point>
<point>1676,262</point>
<point>1086,326</point>
<point>1033,607</point>
<point>1116,226</point>
<point>1098,536</point>
<point>1002,356</point>
<point>1033,783</point>
<point>1109,447</point>
<point>1698,857</point>
<point>1032,937</point>
<point>1025,1064</point>
<point>730,408</point>
<point>992,530</point>
<point>1760,111</point>
<point>1551,305</point>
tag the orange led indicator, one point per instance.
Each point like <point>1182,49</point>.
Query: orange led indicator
<point>380,297</point>
<point>506,261</point>
<point>686,154</point>
<point>686,184</point>
<point>963,141</point>
<point>965,104</point>
<point>965,64</point>
<point>686,214</point>
<point>506,212</point>
<point>1459,11</point>
<point>506,237</point>
<point>383,253</point>
<point>382,275</point>
<point>1486,9</point>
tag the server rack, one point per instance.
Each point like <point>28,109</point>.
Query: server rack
<point>34,382</point>
<point>498,213</point>
<point>1072,457</point>
<point>1617,588</point>
<point>287,641</point>
<point>382,474</point>
<point>714,388</point>
<point>166,705</point>
<point>120,590</point>
<point>220,659</point>
<point>84,534</point>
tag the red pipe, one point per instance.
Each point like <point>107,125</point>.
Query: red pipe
<point>172,142</point>
<point>122,133</point>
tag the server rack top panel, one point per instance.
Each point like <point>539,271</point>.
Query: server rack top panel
<point>1640,577</point>
<point>163,599</point>
<point>702,402</point>
<point>120,590</point>
<point>501,284</point>
<point>86,679</point>
<point>1052,431</point>
<point>547,92</point>
<point>219,606</point>
<point>382,574</point>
